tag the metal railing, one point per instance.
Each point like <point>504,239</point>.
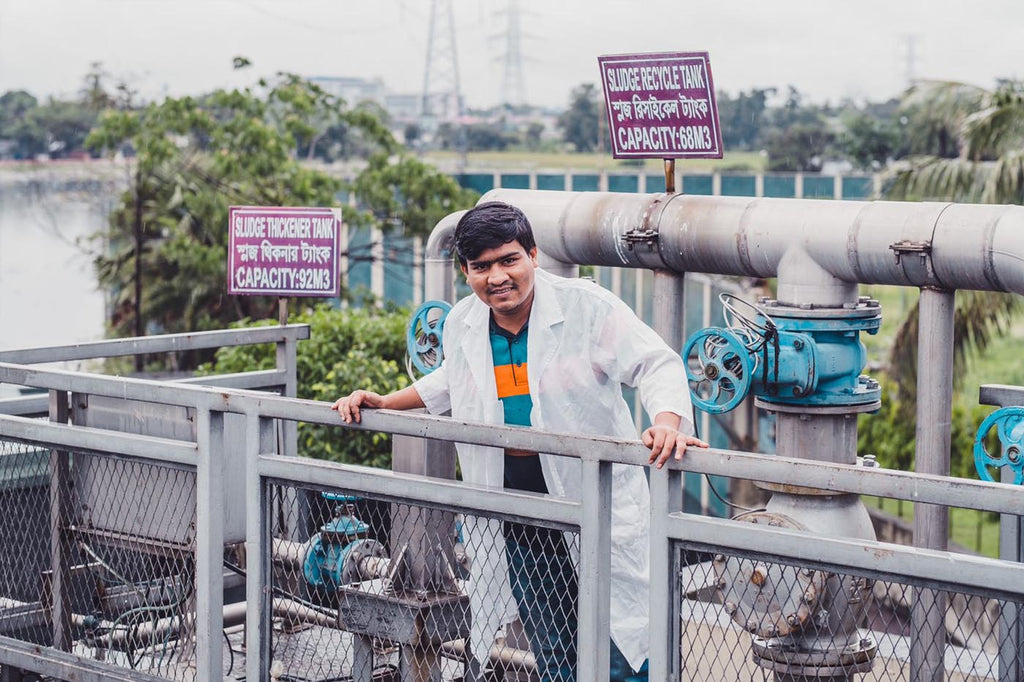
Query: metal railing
<point>290,625</point>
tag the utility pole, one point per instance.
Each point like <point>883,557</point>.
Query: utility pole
<point>909,41</point>
<point>442,95</point>
<point>513,84</point>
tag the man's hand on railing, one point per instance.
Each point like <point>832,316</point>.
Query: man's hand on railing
<point>664,437</point>
<point>348,407</point>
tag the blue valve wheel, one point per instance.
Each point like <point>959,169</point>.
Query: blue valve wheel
<point>718,369</point>
<point>1009,425</point>
<point>423,340</point>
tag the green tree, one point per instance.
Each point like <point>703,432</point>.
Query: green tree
<point>347,349</point>
<point>798,147</point>
<point>406,193</point>
<point>797,136</point>
<point>94,93</point>
<point>66,125</point>
<point>580,123</point>
<point>867,141</point>
<point>532,136</point>
<point>19,124</point>
<point>164,254</point>
<point>743,117</point>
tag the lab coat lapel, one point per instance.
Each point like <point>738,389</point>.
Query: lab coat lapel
<point>476,345</point>
<point>545,334</point>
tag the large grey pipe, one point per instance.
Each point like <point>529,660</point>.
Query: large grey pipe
<point>818,249</point>
<point>439,280</point>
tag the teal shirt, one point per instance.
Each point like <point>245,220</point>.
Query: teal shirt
<point>522,472</point>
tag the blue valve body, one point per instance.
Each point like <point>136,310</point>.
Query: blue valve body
<point>813,361</point>
<point>324,562</point>
<point>327,551</point>
<point>841,357</point>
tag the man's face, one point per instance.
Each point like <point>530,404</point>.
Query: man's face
<point>503,278</point>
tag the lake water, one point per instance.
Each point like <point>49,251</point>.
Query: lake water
<point>48,291</point>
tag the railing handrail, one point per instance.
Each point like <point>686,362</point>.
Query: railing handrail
<point>161,343</point>
<point>847,478</point>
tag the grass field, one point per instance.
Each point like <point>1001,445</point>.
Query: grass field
<point>969,528</point>
<point>533,161</point>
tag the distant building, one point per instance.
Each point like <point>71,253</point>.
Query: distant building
<point>400,106</point>
<point>403,107</point>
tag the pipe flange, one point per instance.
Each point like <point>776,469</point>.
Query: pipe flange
<point>864,307</point>
<point>355,553</point>
<point>768,600</point>
<point>818,410</point>
<point>794,657</point>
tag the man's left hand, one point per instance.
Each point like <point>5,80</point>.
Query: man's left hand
<point>663,440</point>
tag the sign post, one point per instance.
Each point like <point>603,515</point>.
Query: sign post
<point>661,106</point>
<point>283,252</point>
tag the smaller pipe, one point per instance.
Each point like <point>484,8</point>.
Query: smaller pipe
<point>290,553</point>
<point>506,657</point>
<point>143,634</point>
<point>234,615</point>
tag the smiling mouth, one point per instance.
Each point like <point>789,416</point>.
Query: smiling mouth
<point>503,290</point>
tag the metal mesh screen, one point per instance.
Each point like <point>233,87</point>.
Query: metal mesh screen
<point>363,583</point>
<point>95,562</point>
<point>744,618</point>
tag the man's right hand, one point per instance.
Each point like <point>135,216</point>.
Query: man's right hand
<point>348,407</point>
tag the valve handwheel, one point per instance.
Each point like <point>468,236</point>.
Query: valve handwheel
<point>718,369</point>
<point>423,340</point>
<point>1009,425</point>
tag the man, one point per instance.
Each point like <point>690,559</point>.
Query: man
<point>533,349</point>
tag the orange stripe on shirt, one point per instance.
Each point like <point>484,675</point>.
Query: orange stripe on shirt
<point>511,380</point>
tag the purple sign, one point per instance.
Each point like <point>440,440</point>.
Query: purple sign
<point>661,106</point>
<point>283,251</point>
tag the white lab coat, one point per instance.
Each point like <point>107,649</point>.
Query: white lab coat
<point>583,344</point>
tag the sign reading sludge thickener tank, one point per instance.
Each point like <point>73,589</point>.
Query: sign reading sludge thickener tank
<point>283,251</point>
<point>661,106</point>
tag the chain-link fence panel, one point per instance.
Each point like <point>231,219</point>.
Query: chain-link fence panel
<point>97,557</point>
<point>362,584</point>
<point>748,618</point>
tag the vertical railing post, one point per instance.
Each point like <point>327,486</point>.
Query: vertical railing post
<point>298,515</point>
<point>595,572</point>
<point>286,360</point>
<point>259,438</point>
<point>931,522</point>
<point>666,498</point>
<point>1011,618</point>
<point>209,545</point>
<point>60,554</point>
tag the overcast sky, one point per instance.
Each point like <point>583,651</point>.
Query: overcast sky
<point>826,48</point>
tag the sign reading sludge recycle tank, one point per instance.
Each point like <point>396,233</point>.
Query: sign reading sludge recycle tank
<point>283,251</point>
<point>661,106</point>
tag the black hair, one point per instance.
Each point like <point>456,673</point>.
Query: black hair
<point>488,226</point>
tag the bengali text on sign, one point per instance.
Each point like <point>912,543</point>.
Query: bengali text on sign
<point>283,251</point>
<point>661,105</point>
